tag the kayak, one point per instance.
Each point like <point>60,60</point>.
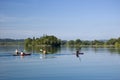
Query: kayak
<point>80,53</point>
<point>77,54</point>
<point>25,54</point>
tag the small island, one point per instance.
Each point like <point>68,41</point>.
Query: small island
<point>45,40</point>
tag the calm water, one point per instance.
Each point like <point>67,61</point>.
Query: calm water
<point>95,64</point>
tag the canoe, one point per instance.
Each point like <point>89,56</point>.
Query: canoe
<point>25,54</point>
<point>80,53</point>
<point>77,54</point>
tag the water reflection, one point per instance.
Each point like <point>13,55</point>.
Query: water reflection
<point>47,56</point>
<point>114,50</point>
<point>79,58</point>
<point>10,48</point>
<point>43,56</point>
<point>63,50</point>
<point>37,49</point>
<point>110,50</point>
<point>73,48</point>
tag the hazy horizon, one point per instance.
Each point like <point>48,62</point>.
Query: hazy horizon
<point>65,19</point>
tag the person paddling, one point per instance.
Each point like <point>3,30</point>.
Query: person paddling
<point>16,51</point>
<point>77,53</point>
<point>22,54</point>
<point>44,51</point>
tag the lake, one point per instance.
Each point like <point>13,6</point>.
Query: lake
<point>94,64</point>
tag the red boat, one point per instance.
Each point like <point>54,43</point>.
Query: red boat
<point>24,54</point>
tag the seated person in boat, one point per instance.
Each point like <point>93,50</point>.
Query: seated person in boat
<point>44,51</point>
<point>77,53</point>
<point>22,53</point>
<point>16,51</point>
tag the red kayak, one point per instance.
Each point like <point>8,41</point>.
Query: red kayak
<point>24,54</point>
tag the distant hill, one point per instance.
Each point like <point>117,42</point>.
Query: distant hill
<point>8,41</point>
<point>11,40</point>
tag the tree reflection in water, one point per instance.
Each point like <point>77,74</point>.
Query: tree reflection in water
<point>37,49</point>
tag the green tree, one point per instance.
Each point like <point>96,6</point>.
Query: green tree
<point>78,42</point>
<point>28,41</point>
<point>44,40</point>
<point>71,42</point>
<point>86,42</point>
<point>117,44</point>
<point>111,41</point>
<point>97,42</point>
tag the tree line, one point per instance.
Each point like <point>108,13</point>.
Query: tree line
<point>51,40</point>
<point>113,42</point>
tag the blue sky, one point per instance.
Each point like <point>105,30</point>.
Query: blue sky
<point>66,19</point>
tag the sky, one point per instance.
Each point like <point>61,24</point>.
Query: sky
<point>65,19</point>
